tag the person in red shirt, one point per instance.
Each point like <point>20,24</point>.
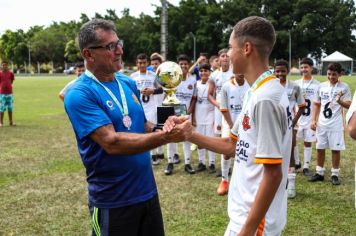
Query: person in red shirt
<point>6,96</point>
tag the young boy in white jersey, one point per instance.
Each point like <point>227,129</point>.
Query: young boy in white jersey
<point>309,87</point>
<point>186,93</point>
<point>218,78</point>
<point>295,97</point>
<point>327,120</point>
<point>260,139</point>
<point>79,70</point>
<point>232,96</point>
<point>148,87</point>
<point>204,116</point>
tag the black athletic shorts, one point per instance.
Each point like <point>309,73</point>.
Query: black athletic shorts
<point>142,219</point>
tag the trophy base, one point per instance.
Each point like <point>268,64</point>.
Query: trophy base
<point>165,111</point>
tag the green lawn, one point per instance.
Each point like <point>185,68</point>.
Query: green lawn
<point>43,186</point>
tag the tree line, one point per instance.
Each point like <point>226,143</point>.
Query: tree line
<point>314,27</point>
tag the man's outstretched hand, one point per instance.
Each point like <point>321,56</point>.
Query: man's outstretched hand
<point>178,128</point>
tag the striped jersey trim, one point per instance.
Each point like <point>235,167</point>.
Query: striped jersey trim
<point>261,227</point>
<point>272,161</point>
<point>232,136</point>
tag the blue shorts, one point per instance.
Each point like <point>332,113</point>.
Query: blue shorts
<point>6,102</point>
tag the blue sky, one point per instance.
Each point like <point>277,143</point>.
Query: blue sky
<point>19,14</point>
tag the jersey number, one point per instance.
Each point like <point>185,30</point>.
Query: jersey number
<point>327,111</point>
<point>145,98</point>
<point>306,111</point>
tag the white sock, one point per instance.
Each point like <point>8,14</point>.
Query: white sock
<point>211,157</point>
<point>187,152</point>
<point>201,154</point>
<point>320,170</point>
<point>291,170</point>
<point>160,150</point>
<point>307,157</point>
<point>225,166</point>
<point>335,172</point>
<point>170,152</point>
<point>291,180</point>
<point>296,155</point>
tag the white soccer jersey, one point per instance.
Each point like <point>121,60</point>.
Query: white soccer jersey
<point>263,134</point>
<point>232,96</point>
<point>220,77</point>
<point>330,117</point>
<point>295,95</point>
<point>204,110</point>
<point>186,90</point>
<point>351,110</point>
<point>149,103</point>
<point>309,90</point>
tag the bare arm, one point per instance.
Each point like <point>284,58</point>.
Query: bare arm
<point>211,93</point>
<point>122,143</point>
<point>227,117</point>
<point>192,105</point>
<point>226,146</point>
<point>297,116</point>
<point>315,115</point>
<point>352,126</point>
<point>61,96</point>
<point>272,176</point>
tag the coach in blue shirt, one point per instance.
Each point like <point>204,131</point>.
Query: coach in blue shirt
<point>114,138</point>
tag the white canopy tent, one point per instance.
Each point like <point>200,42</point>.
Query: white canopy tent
<point>346,62</point>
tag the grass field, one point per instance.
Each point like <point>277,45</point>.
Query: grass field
<point>43,186</point>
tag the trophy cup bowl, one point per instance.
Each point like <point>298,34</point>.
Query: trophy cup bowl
<point>169,75</point>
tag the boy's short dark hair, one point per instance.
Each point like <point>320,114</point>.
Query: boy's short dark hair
<point>222,51</point>
<point>335,67</point>
<point>258,31</point>
<point>141,56</point>
<point>307,60</point>
<point>204,54</point>
<point>156,57</point>
<point>79,64</point>
<point>212,58</point>
<point>281,62</point>
<point>183,57</point>
<point>4,62</point>
<point>205,66</point>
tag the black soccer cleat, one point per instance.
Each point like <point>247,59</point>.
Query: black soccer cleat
<point>212,169</point>
<point>176,159</point>
<point>169,169</point>
<point>316,178</point>
<point>189,169</point>
<point>335,180</point>
<point>201,167</point>
<point>306,172</point>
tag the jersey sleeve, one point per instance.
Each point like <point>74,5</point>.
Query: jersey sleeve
<point>317,97</point>
<point>347,94</point>
<point>84,112</point>
<point>224,106</point>
<point>299,97</point>
<point>271,125</point>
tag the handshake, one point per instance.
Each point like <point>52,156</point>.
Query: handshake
<point>178,129</point>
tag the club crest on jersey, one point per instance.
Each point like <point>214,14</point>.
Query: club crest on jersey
<point>135,98</point>
<point>246,122</point>
<point>190,87</point>
<point>110,104</point>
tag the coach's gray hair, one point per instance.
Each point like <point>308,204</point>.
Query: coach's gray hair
<point>87,34</point>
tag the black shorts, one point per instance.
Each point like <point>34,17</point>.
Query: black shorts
<point>142,219</point>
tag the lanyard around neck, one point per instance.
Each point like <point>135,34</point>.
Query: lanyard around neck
<point>123,108</point>
<point>266,76</point>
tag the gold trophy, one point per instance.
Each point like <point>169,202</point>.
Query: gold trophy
<point>169,75</point>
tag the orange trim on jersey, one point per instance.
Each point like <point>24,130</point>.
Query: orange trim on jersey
<point>272,161</point>
<point>261,227</point>
<point>234,137</point>
<point>223,109</point>
<point>271,77</point>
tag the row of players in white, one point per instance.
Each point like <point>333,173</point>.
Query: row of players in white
<point>230,97</point>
